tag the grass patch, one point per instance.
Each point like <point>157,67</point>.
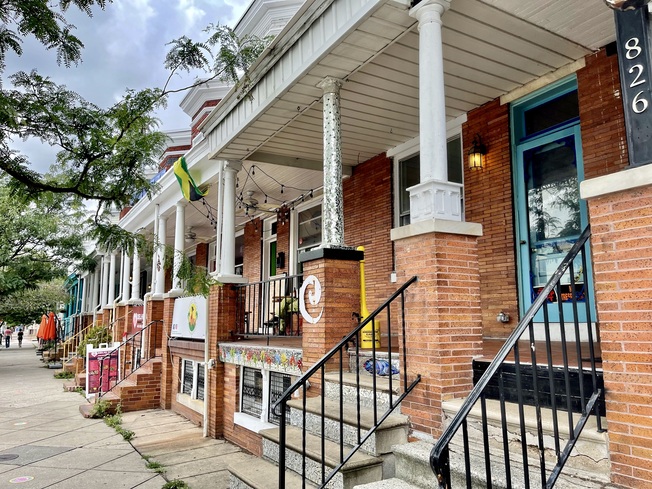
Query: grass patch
<point>176,484</point>
<point>101,409</point>
<point>64,375</point>
<point>156,467</point>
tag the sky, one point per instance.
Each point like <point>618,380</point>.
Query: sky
<point>125,47</point>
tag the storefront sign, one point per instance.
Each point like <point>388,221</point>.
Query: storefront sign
<point>189,318</point>
<point>102,366</point>
<point>633,41</point>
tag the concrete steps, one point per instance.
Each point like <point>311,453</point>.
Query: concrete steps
<point>374,461</point>
<point>360,468</point>
<point>256,472</point>
<point>587,468</point>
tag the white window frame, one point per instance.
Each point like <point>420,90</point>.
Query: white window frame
<point>294,230</point>
<point>412,148</point>
<point>196,365</point>
<point>248,421</point>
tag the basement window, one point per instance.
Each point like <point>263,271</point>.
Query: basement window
<point>192,379</point>
<point>259,390</point>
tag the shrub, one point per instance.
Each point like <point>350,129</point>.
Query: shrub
<point>99,333</point>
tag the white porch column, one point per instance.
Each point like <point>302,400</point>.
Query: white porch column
<point>111,297</point>
<point>227,265</point>
<point>159,270</point>
<point>95,300</point>
<point>434,196</point>
<point>333,208</point>
<point>152,284</point>
<point>179,246</point>
<point>126,271</point>
<point>105,281</point>
<point>84,292</point>
<point>135,283</point>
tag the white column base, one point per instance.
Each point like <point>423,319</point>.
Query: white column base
<point>435,200</point>
<point>227,278</point>
<point>175,293</point>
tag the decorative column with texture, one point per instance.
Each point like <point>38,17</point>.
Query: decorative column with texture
<point>228,220</point>
<point>135,283</point>
<point>179,247</point>
<point>333,208</point>
<point>160,258</point>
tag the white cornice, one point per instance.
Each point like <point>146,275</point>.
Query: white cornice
<point>198,96</point>
<point>267,17</point>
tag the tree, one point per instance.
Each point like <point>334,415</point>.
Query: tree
<point>106,154</point>
<point>46,21</point>
<point>29,305</point>
<point>38,241</point>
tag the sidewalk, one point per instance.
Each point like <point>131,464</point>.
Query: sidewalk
<point>46,443</point>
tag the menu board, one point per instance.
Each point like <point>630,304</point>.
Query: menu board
<point>102,368</point>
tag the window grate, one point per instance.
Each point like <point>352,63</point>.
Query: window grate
<point>252,392</point>
<point>200,381</point>
<point>278,383</point>
<point>188,370</point>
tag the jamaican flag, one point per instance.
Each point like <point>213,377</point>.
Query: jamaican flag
<point>189,189</point>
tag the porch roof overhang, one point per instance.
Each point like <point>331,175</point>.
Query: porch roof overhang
<point>491,48</point>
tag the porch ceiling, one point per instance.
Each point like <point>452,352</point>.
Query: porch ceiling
<point>491,47</point>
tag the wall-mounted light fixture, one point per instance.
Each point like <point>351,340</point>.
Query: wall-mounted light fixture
<point>477,153</point>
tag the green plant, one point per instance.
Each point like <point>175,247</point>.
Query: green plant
<point>99,333</point>
<point>101,409</point>
<point>113,420</point>
<point>80,390</point>
<point>126,434</point>
<point>64,375</point>
<point>175,484</point>
<point>156,467</point>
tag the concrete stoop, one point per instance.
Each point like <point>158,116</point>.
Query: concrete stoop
<point>141,390</point>
<point>257,473</point>
<point>587,468</point>
<point>374,461</point>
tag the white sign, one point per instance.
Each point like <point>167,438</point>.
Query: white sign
<point>190,317</point>
<point>313,298</point>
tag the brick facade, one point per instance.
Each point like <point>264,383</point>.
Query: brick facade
<point>443,321</point>
<point>488,201</point>
<point>368,222</point>
<point>622,253</point>
<point>184,350</point>
<point>252,250</point>
<point>166,368</point>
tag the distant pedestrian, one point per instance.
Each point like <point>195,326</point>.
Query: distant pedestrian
<point>20,338</point>
<point>8,333</point>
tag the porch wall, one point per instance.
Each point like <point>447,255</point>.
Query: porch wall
<point>622,257</point>
<point>368,221</point>
<point>186,350</point>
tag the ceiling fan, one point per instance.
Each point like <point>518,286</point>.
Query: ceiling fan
<point>251,203</point>
<point>190,235</point>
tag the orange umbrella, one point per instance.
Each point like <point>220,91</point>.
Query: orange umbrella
<point>50,332</point>
<point>41,328</point>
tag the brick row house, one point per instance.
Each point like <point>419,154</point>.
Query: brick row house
<point>468,143</point>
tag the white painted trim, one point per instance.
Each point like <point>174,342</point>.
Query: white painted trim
<point>629,179</point>
<point>436,226</point>
<point>543,81</point>
<point>250,423</point>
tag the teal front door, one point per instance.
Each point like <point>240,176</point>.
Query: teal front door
<point>551,217</point>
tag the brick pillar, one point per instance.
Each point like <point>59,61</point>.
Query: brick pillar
<point>443,316</point>
<point>221,321</point>
<point>621,247</point>
<point>155,338</point>
<point>338,272</point>
<point>166,357</point>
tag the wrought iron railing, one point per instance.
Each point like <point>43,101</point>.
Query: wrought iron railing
<point>71,344</point>
<point>269,307</point>
<point>134,352</point>
<point>589,402</point>
<point>337,359</point>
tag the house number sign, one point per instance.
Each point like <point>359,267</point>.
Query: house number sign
<point>633,40</point>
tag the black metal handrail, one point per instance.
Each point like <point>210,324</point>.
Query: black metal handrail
<point>269,307</point>
<point>280,407</point>
<point>440,455</point>
<point>131,355</point>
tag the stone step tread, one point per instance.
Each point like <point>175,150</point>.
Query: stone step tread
<point>590,432</point>
<point>393,483</point>
<point>262,474</point>
<point>294,441</point>
<point>366,381</point>
<point>332,408</point>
